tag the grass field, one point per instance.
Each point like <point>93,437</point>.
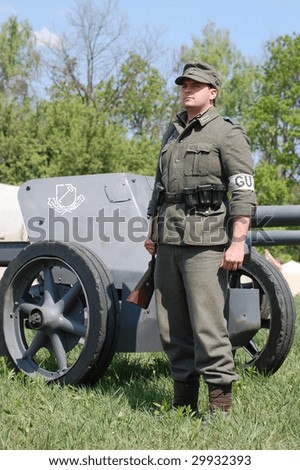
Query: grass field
<point>130,409</point>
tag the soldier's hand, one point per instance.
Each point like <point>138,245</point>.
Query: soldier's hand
<point>233,257</point>
<point>150,246</point>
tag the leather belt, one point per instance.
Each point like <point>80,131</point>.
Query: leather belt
<point>172,198</point>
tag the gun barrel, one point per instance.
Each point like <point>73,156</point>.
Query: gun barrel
<point>276,216</point>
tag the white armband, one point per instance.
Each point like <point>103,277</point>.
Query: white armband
<point>241,181</point>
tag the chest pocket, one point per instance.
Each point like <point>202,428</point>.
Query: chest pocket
<point>197,161</point>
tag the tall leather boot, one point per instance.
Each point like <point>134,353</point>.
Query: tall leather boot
<point>186,394</point>
<point>220,398</point>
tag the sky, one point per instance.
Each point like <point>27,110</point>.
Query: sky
<point>251,23</point>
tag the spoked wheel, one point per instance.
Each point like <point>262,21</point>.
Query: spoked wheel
<point>58,313</point>
<point>270,346</point>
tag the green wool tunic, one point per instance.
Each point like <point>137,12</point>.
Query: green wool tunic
<point>208,150</point>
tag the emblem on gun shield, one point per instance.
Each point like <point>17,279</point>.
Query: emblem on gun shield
<point>66,199</point>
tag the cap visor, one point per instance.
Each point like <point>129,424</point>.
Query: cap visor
<point>197,78</point>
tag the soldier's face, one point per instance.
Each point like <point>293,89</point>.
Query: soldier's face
<point>196,97</point>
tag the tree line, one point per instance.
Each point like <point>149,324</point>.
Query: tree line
<point>93,100</point>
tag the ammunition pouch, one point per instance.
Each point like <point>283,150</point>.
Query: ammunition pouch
<point>203,197</point>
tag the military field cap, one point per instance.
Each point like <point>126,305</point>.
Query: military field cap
<point>201,72</point>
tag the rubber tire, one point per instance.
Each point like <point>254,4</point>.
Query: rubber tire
<point>100,296</point>
<point>277,307</point>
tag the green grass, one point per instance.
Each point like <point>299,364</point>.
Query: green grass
<point>130,409</point>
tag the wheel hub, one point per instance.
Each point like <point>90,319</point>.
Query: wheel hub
<point>35,319</point>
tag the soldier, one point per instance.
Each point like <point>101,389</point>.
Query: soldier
<point>202,156</point>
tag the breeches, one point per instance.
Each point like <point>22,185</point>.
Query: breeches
<point>190,293</point>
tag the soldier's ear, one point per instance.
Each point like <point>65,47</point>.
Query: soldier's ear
<point>213,93</point>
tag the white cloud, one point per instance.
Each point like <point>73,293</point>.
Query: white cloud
<point>44,37</point>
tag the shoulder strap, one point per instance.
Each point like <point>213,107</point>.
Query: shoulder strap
<point>228,119</point>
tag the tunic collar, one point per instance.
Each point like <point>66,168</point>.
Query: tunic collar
<point>204,118</point>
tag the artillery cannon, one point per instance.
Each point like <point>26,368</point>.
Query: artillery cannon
<point>63,307</point>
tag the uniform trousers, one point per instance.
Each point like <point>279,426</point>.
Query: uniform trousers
<point>190,291</point>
